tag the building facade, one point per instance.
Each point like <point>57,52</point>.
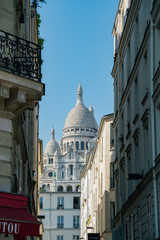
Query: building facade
<point>20,92</point>
<point>136,76</point>
<point>60,182</point>
<point>97,185</point>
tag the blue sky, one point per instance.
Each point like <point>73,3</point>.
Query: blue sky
<point>78,48</point>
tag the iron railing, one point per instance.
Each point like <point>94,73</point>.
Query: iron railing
<point>20,56</point>
<point>60,225</point>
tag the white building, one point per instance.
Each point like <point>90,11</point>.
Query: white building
<point>136,73</point>
<point>97,185</point>
<point>60,182</point>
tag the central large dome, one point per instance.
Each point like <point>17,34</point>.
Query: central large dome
<point>80,116</point>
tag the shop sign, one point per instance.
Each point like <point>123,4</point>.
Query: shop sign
<point>9,227</point>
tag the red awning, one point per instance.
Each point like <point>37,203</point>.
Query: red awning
<point>17,220</point>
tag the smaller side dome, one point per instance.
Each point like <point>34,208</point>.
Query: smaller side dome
<point>52,146</point>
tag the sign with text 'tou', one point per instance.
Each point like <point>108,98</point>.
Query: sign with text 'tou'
<point>93,236</point>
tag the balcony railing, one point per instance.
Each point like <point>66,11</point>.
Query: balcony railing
<point>76,225</point>
<point>20,56</point>
<point>76,206</point>
<point>60,225</point>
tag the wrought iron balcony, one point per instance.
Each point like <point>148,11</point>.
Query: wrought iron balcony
<point>20,56</point>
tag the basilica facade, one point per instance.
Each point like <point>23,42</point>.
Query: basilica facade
<point>60,182</point>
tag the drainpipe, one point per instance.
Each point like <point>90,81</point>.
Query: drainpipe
<point>152,129</point>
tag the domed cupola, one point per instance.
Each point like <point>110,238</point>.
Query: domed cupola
<point>52,146</point>
<point>80,116</point>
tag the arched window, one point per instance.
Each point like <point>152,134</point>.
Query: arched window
<point>82,145</point>
<point>77,145</point>
<point>71,169</point>
<point>62,172</point>
<point>60,188</point>
<point>69,188</point>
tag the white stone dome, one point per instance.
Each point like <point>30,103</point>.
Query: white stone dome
<point>80,116</point>
<point>52,146</point>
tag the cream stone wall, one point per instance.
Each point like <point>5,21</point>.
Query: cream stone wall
<point>97,192</point>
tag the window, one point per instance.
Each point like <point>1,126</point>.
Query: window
<point>71,170</point>
<point>136,96</point>
<point>132,227</point>
<point>60,221</point>
<point>44,187</point>
<point>139,222</point>
<point>112,207</point>
<point>101,185</point>
<point>75,237</point>
<point>60,188</point>
<point>50,160</point>
<point>59,237</point>
<point>69,188</point>
<point>76,202</point>
<point>67,144</point>
<point>112,180</point>
<point>82,145</point>
<point>76,222</point>
<point>77,145</point>
<point>60,202</point>
<point>62,172</point>
<point>158,196</point>
<point>157,125</point>
<point>41,202</point>
<point>78,188</point>
<point>111,136</point>
<point>50,174</point>
<point>149,218</point>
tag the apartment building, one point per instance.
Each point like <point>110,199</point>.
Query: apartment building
<point>97,185</point>
<point>20,92</point>
<point>136,74</point>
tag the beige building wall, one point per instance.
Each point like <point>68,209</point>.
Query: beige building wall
<point>20,93</point>
<point>97,184</point>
